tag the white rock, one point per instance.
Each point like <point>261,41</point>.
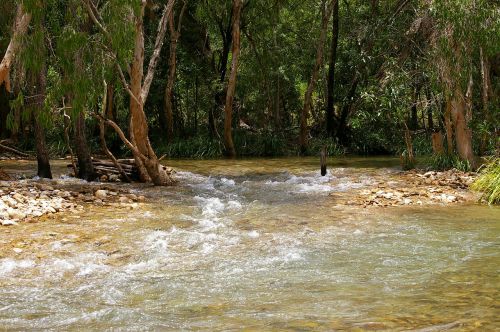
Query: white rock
<point>452,198</point>
<point>8,223</point>
<point>9,201</point>
<point>124,199</point>
<point>16,214</point>
<point>101,194</point>
<point>18,197</point>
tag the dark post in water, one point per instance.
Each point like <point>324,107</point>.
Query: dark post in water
<point>323,161</point>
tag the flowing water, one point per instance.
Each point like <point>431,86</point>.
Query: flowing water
<point>257,245</point>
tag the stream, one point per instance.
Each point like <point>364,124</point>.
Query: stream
<point>259,244</point>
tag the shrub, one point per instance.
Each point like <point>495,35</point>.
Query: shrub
<point>489,182</point>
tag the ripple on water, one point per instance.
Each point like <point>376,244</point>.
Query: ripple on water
<point>255,250</point>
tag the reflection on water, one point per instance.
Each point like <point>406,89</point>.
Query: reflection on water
<point>256,244</point>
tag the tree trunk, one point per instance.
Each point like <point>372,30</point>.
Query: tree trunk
<point>485,96</point>
<point>110,107</point>
<point>85,167</point>
<point>463,134</point>
<point>304,132</point>
<point>231,85</point>
<point>196,105</point>
<point>21,24</point>
<point>174,38</point>
<point>42,156</point>
<point>430,122</point>
<point>449,126</point>
<point>330,111</point>
<point>147,162</point>
<point>437,143</point>
<point>169,113</point>
<point>346,109</point>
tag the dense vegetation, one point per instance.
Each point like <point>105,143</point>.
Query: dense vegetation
<point>205,78</point>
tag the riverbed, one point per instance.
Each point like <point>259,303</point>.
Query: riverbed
<point>260,244</point>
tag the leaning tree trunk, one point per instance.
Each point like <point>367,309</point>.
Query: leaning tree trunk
<point>304,133</point>
<point>20,28</point>
<point>42,156</point>
<point>330,112</point>
<point>147,162</point>
<point>231,85</point>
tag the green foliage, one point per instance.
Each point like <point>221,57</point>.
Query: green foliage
<point>443,162</point>
<point>395,58</point>
<point>333,148</point>
<point>489,182</point>
<point>422,144</point>
<point>197,147</point>
<point>261,144</point>
<point>407,161</point>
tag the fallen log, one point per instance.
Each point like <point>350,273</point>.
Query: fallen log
<point>126,170</point>
<point>106,163</point>
<point>14,151</point>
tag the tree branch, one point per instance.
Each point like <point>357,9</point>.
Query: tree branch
<point>160,36</point>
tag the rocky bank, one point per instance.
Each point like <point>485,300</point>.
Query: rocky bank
<point>28,200</point>
<point>417,187</point>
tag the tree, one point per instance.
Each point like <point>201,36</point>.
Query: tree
<point>20,28</point>
<point>330,111</point>
<point>326,9</point>
<point>175,33</point>
<point>150,169</point>
<point>231,85</point>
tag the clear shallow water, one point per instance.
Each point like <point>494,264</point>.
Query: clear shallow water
<point>256,244</point>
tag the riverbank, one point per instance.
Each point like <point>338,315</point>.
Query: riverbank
<point>29,200</point>
<point>416,187</point>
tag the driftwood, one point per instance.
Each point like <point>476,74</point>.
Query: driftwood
<point>127,170</point>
